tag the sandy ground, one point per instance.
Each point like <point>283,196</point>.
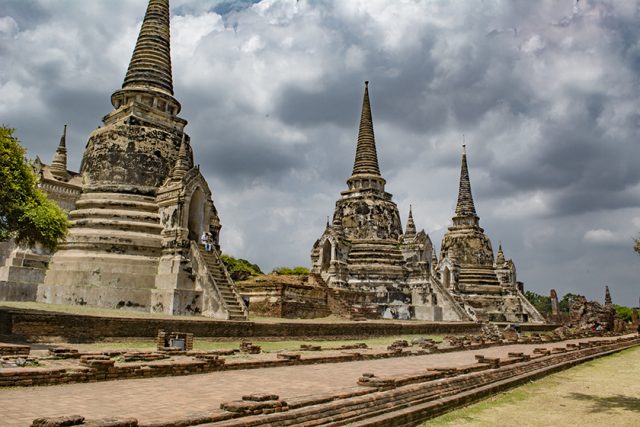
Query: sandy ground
<point>604,392</point>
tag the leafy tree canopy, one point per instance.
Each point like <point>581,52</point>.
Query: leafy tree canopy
<point>25,212</point>
<point>540,302</point>
<point>636,245</point>
<point>566,301</point>
<point>295,271</point>
<point>240,269</point>
<point>623,312</point>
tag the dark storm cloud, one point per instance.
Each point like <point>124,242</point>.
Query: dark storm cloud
<point>547,100</point>
<point>307,107</point>
<point>26,13</point>
<point>240,161</point>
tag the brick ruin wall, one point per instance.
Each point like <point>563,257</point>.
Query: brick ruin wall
<point>402,400</point>
<point>39,325</point>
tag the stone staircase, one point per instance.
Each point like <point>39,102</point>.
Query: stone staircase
<point>230,298</point>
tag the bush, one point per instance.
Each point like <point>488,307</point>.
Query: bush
<point>623,312</point>
<point>295,271</point>
<point>566,302</point>
<point>540,302</point>
<point>26,214</point>
<point>240,269</point>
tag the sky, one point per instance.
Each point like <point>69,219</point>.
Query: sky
<point>544,94</point>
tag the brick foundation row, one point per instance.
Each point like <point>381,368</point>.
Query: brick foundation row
<point>398,401</point>
<point>405,400</point>
<point>96,368</point>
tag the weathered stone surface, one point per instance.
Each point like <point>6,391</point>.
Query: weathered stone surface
<point>137,208</point>
<point>72,420</point>
<point>364,249</point>
<point>486,288</point>
<point>591,314</point>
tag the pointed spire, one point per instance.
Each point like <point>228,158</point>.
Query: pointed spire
<point>366,156</point>
<point>182,165</point>
<point>465,209</point>
<point>150,65</point>
<point>411,226</point>
<point>607,296</point>
<point>58,166</point>
<point>500,259</point>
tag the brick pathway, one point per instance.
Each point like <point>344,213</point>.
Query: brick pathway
<point>153,398</point>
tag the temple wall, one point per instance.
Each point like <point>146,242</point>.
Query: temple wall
<point>75,328</point>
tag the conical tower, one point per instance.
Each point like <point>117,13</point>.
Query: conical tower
<point>465,240</point>
<point>150,65</point>
<point>110,257</point>
<point>607,296</point>
<point>183,164</point>
<point>500,259</point>
<point>410,231</point>
<point>58,166</point>
<point>366,229</point>
<point>467,249</point>
<point>366,172</point>
<point>465,213</point>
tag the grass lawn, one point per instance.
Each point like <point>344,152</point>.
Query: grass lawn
<point>267,346</point>
<point>603,392</point>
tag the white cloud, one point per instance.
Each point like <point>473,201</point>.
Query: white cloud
<point>8,27</point>
<point>600,236</point>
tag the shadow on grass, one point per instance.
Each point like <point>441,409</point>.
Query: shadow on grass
<point>611,402</point>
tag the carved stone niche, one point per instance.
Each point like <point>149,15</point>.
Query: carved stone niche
<point>186,210</point>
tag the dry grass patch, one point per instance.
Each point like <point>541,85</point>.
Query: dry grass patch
<point>267,346</point>
<point>603,392</point>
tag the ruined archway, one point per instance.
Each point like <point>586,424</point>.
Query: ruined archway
<point>326,255</point>
<point>196,222</point>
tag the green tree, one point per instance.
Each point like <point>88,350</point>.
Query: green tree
<point>540,302</point>
<point>636,245</point>
<point>623,312</point>
<point>26,214</point>
<point>287,271</point>
<point>566,301</point>
<point>240,269</point>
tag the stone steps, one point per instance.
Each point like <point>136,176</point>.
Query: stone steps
<point>229,297</point>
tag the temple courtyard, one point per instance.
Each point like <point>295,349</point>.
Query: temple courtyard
<point>598,392</point>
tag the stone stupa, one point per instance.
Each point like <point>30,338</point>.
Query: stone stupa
<point>134,230</point>
<point>486,288</point>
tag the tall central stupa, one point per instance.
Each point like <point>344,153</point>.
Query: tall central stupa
<point>143,205</point>
<point>364,250</point>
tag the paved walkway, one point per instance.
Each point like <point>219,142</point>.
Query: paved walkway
<point>153,398</point>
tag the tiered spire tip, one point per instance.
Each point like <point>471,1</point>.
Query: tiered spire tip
<point>411,225</point>
<point>465,206</point>
<point>150,64</point>
<point>59,163</point>
<point>366,161</point>
<point>182,165</point>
